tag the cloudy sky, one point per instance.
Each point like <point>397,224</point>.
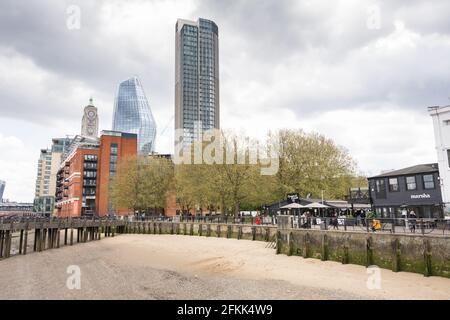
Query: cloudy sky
<point>360,72</point>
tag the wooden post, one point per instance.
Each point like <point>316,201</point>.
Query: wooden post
<point>42,233</point>
<point>345,256</point>
<point>324,255</point>
<point>306,245</point>
<point>218,230</point>
<point>290,245</point>
<point>427,258</point>
<point>21,241</point>
<point>71,236</point>
<point>253,233</point>
<point>369,252</point>
<point>58,236</point>
<point>35,240</point>
<point>267,236</point>
<point>200,229</point>
<point>278,242</point>
<point>1,243</point>
<point>25,240</point>
<point>65,236</point>
<point>239,236</point>
<point>49,238</point>
<point>208,230</point>
<point>191,230</point>
<point>43,239</point>
<point>396,255</point>
<point>8,243</point>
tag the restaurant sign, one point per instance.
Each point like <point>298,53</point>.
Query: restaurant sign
<point>420,196</point>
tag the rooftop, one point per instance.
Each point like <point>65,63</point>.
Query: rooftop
<point>420,168</point>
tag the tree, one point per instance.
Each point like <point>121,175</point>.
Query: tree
<point>141,183</point>
<point>311,164</point>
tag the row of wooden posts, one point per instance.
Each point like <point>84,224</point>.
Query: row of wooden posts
<point>48,236</point>
<point>188,229</point>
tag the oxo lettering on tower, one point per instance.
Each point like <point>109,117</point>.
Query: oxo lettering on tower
<point>132,114</point>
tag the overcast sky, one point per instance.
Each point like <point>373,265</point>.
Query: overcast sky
<point>360,72</point>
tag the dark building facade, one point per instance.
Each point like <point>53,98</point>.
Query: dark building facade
<point>415,188</point>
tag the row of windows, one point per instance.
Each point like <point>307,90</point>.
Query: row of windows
<point>90,157</point>
<point>411,183</point>
<point>90,174</point>
<point>89,191</point>
<point>89,182</point>
<point>90,165</point>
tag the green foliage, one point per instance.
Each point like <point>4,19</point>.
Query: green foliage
<point>141,183</point>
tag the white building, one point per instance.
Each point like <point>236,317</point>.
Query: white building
<point>441,124</point>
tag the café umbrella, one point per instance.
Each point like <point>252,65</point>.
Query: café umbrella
<point>316,205</point>
<point>291,206</point>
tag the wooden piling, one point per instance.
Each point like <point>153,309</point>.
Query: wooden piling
<point>25,240</point>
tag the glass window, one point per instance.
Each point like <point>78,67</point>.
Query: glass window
<point>393,185</point>
<point>428,181</point>
<point>114,148</point>
<point>380,189</point>
<point>411,183</point>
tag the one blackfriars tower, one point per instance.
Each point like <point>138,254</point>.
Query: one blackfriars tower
<point>132,114</point>
<point>196,79</point>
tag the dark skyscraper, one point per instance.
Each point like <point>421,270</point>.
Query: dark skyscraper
<point>196,79</point>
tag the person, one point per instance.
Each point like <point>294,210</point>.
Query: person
<point>363,217</point>
<point>376,225</point>
<point>335,222</point>
<point>258,220</point>
<point>405,216</point>
<point>412,217</point>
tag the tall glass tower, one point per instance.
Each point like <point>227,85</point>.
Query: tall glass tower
<point>196,79</point>
<point>132,114</point>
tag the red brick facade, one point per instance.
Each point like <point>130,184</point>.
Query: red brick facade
<point>82,185</point>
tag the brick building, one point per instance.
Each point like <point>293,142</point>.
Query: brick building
<point>83,178</point>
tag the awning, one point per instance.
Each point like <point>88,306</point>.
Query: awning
<point>316,205</point>
<point>293,205</point>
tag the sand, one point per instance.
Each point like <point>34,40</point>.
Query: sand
<point>184,267</point>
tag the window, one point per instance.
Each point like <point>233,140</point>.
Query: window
<point>114,148</point>
<point>380,189</point>
<point>90,157</point>
<point>393,185</point>
<point>428,181</point>
<point>411,183</point>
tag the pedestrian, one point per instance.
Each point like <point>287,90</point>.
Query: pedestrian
<point>412,219</point>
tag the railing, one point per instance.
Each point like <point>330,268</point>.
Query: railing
<point>418,226</point>
<point>269,220</point>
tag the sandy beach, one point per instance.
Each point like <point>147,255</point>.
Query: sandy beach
<point>183,267</point>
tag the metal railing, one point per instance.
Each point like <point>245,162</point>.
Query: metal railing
<point>419,226</point>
